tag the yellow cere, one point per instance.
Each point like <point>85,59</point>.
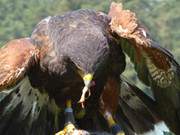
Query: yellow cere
<point>88,77</point>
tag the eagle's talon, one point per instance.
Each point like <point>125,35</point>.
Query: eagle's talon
<point>83,96</point>
<point>69,120</point>
<point>68,130</point>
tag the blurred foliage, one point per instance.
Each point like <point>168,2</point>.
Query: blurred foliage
<point>161,17</point>
<point>19,17</point>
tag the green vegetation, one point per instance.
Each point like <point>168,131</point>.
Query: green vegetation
<point>17,18</point>
<point>161,17</point>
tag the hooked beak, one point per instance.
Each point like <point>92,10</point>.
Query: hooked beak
<point>87,78</point>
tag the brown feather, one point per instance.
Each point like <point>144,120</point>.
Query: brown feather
<point>125,24</point>
<point>15,58</point>
<point>158,60</point>
<point>110,96</point>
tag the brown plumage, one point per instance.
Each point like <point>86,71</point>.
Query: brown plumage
<point>16,57</point>
<point>50,66</point>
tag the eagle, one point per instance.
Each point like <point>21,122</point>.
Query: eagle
<point>73,62</point>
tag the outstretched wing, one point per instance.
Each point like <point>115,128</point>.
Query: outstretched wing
<point>152,62</point>
<point>155,66</point>
<point>16,57</point>
<point>24,110</point>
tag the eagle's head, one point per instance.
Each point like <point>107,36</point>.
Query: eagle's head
<point>84,41</point>
<point>90,54</point>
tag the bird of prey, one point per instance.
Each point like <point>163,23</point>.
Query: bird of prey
<point>74,61</point>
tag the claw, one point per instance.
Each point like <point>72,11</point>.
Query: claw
<point>72,131</point>
<point>87,78</point>
<point>69,120</point>
<point>83,96</point>
<point>68,130</point>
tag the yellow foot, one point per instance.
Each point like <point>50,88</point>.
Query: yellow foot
<point>115,128</point>
<point>68,130</point>
<point>120,133</point>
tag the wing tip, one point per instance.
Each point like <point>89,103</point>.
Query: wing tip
<point>123,22</point>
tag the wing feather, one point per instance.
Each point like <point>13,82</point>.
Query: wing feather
<point>16,57</point>
<point>22,107</point>
<point>156,60</point>
<point>155,65</point>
